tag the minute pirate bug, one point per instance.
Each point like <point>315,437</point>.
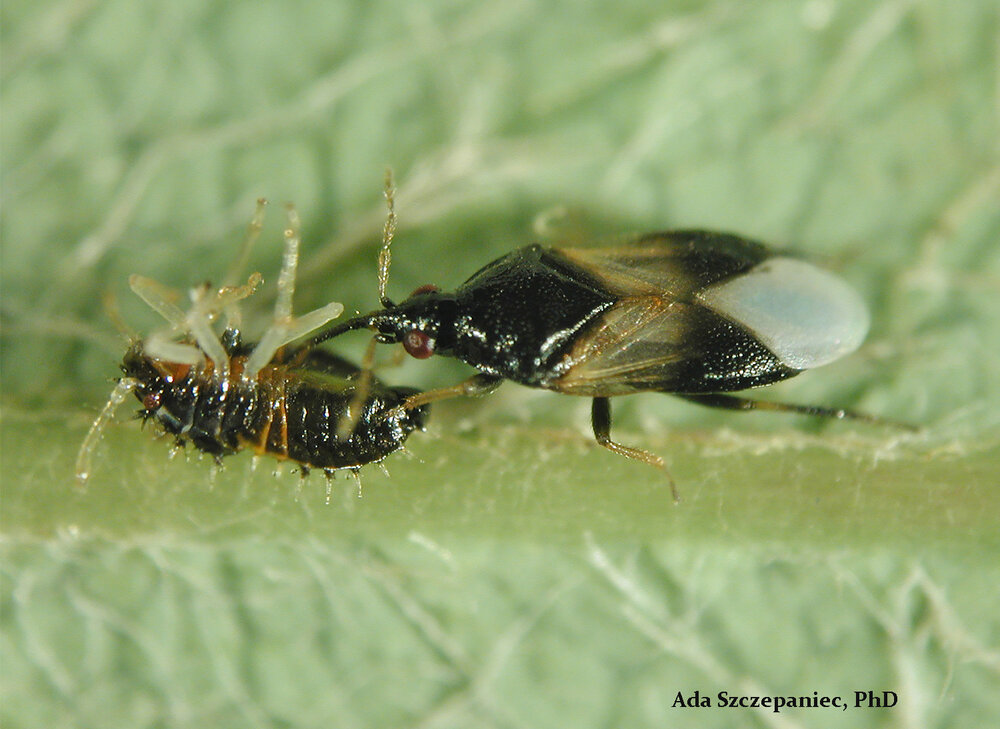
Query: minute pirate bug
<point>222,394</point>
<point>691,313</point>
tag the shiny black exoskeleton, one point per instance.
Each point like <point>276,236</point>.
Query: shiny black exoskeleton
<point>292,409</point>
<point>514,319</point>
<point>691,313</point>
<point>536,315</point>
<point>208,388</point>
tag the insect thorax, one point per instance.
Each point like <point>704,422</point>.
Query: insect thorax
<point>522,312</point>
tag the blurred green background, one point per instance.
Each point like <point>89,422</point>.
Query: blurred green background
<point>506,572</point>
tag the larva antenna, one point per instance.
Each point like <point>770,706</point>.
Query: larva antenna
<point>83,457</point>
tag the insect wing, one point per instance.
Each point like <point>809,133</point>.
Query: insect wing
<point>675,264</point>
<point>660,335</point>
<point>638,344</point>
<point>805,315</point>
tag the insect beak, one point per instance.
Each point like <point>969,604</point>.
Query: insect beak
<point>368,321</point>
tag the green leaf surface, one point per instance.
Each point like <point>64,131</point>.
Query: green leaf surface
<point>505,571</point>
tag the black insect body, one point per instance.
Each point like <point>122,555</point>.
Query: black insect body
<point>691,313</point>
<point>293,409</point>
<point>223,395</point>
<point>593,322</point>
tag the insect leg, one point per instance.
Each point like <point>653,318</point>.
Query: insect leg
<point>230,294</point>
<point>199,323</point>
<point>735,402</point>
<point>354,409</point>
<point>227,299</point>
<point>272,339</point>
<point>159,297</point>
<point>117,397</point>
<point>160,347</point>
<point>475,386</point>
<point>253,233</point>
<point>600,416</point>
<point>284,327</point>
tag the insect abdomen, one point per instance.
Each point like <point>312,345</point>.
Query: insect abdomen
<point>313,416</point>
<point>195,410</point>
<point>282,416</point>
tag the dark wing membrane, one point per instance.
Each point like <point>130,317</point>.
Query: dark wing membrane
<point>649,343</point>
<point>638,345</point>
<point>674,264</point>
<point>658,336</point>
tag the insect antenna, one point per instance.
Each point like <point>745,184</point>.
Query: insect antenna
<point>388,231</point>
<point>384,260</point>
<point>83,456</point>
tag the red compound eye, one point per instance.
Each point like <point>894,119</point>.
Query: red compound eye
<point>417,344</point>
<point>151,401</point>
<point>425,289</point>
